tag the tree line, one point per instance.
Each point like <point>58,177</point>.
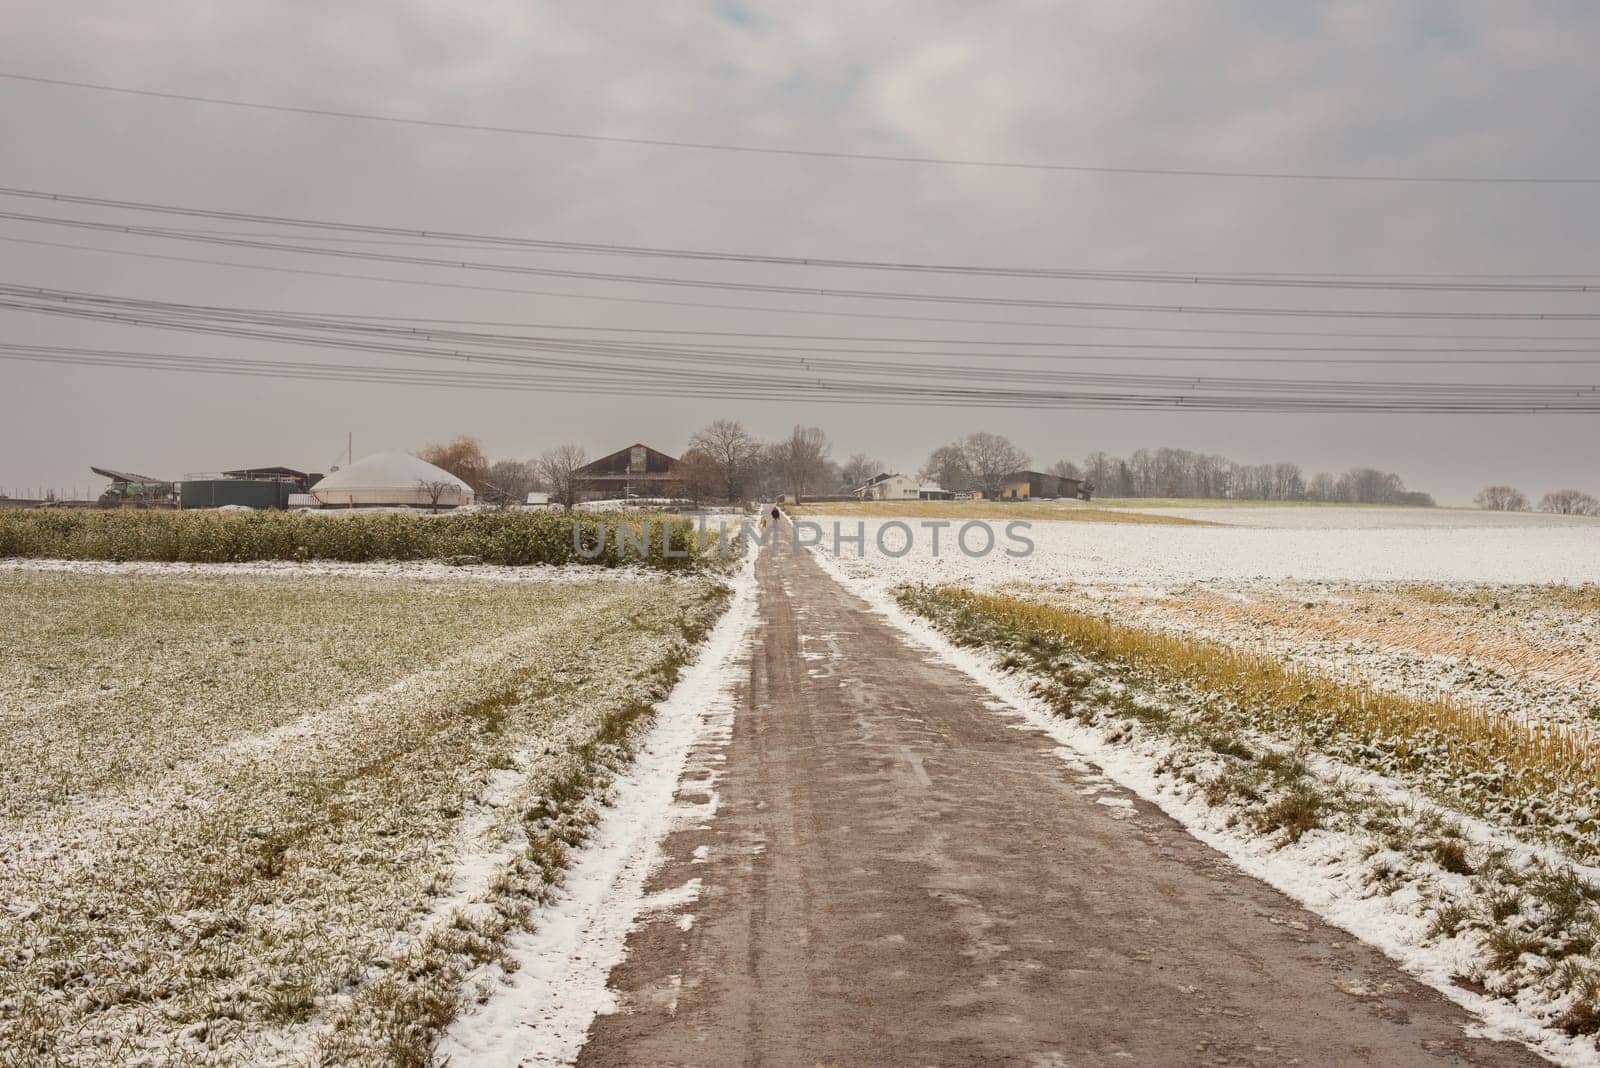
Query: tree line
<point>724,461</point>
<point>1557,502</point>
<point>1183,473</point>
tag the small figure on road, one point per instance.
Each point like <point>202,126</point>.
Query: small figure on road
<point>774,513</point>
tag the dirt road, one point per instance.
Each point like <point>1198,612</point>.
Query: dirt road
<point>899,875</point>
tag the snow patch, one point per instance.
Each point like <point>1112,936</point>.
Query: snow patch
<point>541,1013</point>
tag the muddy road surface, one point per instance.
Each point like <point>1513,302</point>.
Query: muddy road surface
<point>899,873</point>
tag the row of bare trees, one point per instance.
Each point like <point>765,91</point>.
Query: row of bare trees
<point>1557,502</point>
<point>724,461</point>
<point>1183,473</point>
<point>979,461</point>
<point>506,482</point>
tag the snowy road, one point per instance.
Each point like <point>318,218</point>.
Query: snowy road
<point>898,873</point>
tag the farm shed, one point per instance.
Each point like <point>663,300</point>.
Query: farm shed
<point>1024,485</point>
<point>128,488</point>
<point>248,487</point>
<point>302,480</point>
<point>636,471</point>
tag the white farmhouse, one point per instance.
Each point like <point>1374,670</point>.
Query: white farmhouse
<point>887,487</point>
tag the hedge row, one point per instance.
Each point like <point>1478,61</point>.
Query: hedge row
<point>509,538</point>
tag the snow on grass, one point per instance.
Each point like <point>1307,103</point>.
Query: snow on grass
<point>1300,515</point>
<point>1350,873</point>
<point>1526,653</point>
<point>233,800</point>
<point>1064,511</point>
<point>422,570</point>
<point>539,1013</point>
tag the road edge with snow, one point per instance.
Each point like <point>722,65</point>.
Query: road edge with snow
<point>540,1013</point>
<point>1369,919</point>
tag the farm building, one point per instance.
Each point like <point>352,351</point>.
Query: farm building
<point>637,471</point>
<point>389,479</point>
<point>888,487</point>
<point>894,487</point>
<point>1025,485</point>
<point>134,489</point>
<point>249,487</point>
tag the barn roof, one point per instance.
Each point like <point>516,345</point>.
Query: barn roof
<point>616,464</point>
<point>266,472</point>
<point>124,476</point>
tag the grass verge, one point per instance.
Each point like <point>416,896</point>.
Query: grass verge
<point>1537,777</point>
<point>1238,732</point>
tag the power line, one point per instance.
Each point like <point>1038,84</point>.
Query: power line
<point>773,310</point>
<point>668,371</point>
<point>1180,394</point>
<point>807,153</point>
<point>683,345</point>
<point>437,239</point>
<point>892,296</point>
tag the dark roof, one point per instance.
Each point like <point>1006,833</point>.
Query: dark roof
<point>267,472</point>
<point>617,465</point>
<point>1043,474</point>
<point>123,476</point>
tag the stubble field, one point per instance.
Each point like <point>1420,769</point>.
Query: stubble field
<point>278,817</point>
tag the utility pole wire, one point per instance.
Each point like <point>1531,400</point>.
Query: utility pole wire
<point>808,153</point>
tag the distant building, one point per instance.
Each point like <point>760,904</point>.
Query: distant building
<point>637,471</point>
<point>248,487</point>
<point>388,479</point>
<point>1026,485</point>
<point>894,487</point>
<point>887,487</point>
<point>139,490</point>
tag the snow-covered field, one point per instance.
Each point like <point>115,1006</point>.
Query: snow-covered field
<point>233,800</point>
<point>1416,600</point>
<point>1369,517</point>
<point>1312,544</point>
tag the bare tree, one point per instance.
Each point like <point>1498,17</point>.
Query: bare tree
<point>1323,487</point>
<point>462,457</point>
<point>803,460</point>
<point>702,476</point>
<point>435,490</point>
<point>1501,499</point>
<point>1569,502</point>
<point>733,450</point>
<point>858,469</point>
<point>947,468</point>
<point>510,481</point>
<point>989,459</point>
<point>1065,469</point>
<point>558,467</point>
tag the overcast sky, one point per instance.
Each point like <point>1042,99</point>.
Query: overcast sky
<point>1379,87</point>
